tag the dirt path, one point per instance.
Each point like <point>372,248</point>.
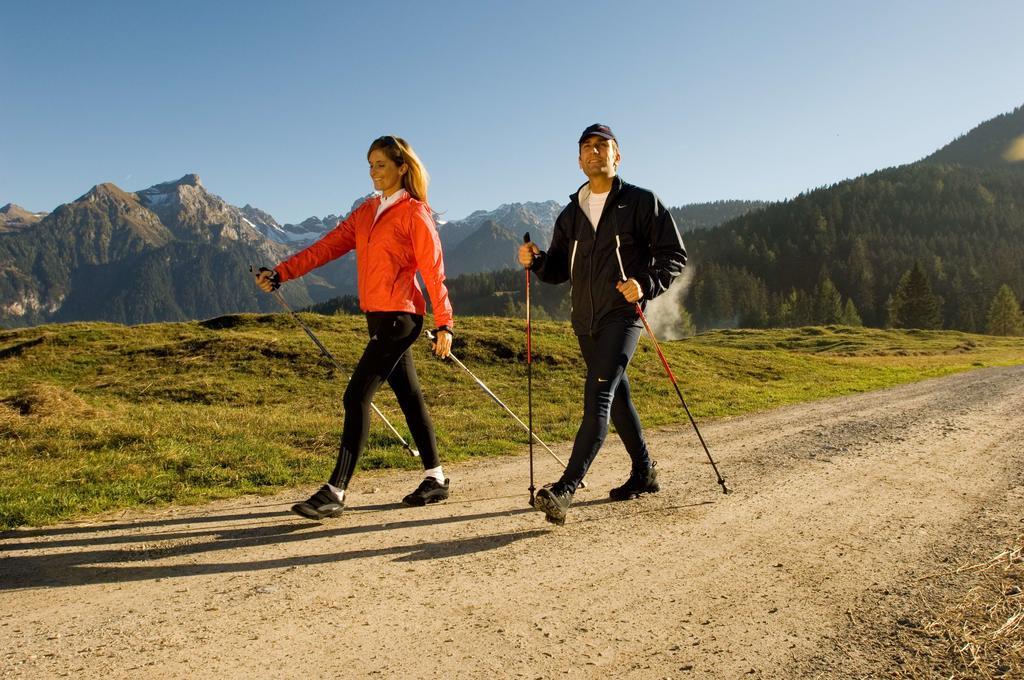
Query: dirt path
<point>839,507</point>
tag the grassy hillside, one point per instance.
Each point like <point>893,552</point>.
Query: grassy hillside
<point>98,416</point>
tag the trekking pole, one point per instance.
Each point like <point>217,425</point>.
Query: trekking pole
<point>529,373</point>
<point>668,369</point>
<point>499,402</point>
<point>316,341</point>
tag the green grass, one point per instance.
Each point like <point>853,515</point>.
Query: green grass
<point>95,417</point>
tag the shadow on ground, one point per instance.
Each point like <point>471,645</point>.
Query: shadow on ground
<point>136,551</point>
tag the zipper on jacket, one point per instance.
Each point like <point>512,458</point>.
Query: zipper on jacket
<point>590,265</point>
<point>590,283</point>
<point>608,208</point>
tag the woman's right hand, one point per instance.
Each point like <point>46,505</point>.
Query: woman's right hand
<point>267,280</point>
<point>527,253</point>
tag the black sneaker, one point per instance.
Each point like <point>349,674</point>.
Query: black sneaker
<point>554,501</point>
<point>638,483</point>
<point>320,505</point>
<point>429,491</point>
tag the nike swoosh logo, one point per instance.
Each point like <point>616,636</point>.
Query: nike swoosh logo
<point>602,380</point>
<point>373,337</point>
<point>624,206</point>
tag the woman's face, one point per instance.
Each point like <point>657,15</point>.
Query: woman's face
<point>386,176</point>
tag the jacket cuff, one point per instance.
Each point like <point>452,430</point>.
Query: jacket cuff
<point>646,285</point>
<point>538,261</point>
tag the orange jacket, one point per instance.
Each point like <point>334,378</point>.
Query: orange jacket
<point>388,254</point>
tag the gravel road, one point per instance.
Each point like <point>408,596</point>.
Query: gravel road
<point>841,511</point>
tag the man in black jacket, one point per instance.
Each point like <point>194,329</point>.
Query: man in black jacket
<point>618,246</point>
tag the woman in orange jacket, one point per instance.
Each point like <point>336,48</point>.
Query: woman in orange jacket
<point>393,235</point>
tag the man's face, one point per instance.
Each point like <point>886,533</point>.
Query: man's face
<point>599,157</point>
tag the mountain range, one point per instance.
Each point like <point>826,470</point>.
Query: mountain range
<point>176,251</point>
<point>172,251</point>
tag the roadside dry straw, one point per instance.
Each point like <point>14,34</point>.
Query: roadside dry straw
<point>983,634</point>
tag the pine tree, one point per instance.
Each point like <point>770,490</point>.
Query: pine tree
<point>788,310</point>
<point>686,326</point>
<point>1004,315</point>
<point>828,303</point>
<point>913,304</point>
<point>850,317</point>
<point>860,278</point>
<point>803,310</point>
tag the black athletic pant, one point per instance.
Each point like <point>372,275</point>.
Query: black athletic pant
<point>606,395</point>
<point>385,358</point>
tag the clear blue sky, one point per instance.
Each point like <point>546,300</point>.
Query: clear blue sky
<point>275,103</point>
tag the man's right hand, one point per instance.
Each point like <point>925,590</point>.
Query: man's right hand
<point>267,280</point>
<point>527,253</point>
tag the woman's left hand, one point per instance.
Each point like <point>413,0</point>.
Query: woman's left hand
<point>442,343</point>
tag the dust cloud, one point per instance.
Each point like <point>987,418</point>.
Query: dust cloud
<point>664,312</point>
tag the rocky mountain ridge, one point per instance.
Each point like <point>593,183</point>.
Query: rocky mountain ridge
<point>176,251</point>
<point>14,218</point>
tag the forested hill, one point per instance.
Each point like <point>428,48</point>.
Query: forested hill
<point>990,145</point>
<point>695,216</point>
<point>958,213</point>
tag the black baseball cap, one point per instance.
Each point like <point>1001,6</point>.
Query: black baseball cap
<point>598,129</point>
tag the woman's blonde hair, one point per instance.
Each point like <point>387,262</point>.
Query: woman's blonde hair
<point>415,179</point>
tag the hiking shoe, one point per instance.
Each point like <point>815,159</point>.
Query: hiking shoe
<point>638,483</point>
<point>554,501</point>
<point>320,505</point>
<point>429,491</point>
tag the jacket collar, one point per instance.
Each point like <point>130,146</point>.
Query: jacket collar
<point>617,185</point>
<point>385,204</point>
<point>394,199</point>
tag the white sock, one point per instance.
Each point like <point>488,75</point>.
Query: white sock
<point>437,473</point>
<point>339,494</point>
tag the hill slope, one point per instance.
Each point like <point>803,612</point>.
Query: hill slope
<point>986,145</point>
<point>963,221</point>
<point>235,404</point>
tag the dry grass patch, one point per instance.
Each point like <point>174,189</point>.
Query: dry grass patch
<point>982,636</point>
<point>43,400</point>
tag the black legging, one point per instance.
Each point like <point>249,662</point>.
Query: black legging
<point>606,394</point>
<point>385,358</point>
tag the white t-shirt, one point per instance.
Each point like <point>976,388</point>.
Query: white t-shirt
<point>595,206</point>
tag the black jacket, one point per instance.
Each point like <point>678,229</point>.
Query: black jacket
<point>650,248</point>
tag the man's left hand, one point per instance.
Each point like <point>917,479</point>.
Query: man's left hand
<point>630,290</point>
